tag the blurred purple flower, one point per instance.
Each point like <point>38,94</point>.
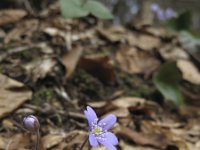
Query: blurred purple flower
<point>155,7</point>
<point>170,13</point>
<point>98,129</point>
<point>161,15</point>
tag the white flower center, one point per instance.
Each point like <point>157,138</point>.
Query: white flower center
<point>98,131</point>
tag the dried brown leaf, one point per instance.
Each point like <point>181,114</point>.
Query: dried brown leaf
<point>51,140</point>
<point>126,146</point>
<point>143,139</point>
<point>71,59</point>
<point>99,66</point>
<point>113,34</point>
<point>11,16</point>
<point>23,29</point>
<point>143,41</point>
<point>172,52</point>
<point>75,139</point>
<point>39,68</point>
<point>13,94</point>
<point>133,60</point>
<point>189,71</point>
<point>126,102</point>
<point>16,141</point>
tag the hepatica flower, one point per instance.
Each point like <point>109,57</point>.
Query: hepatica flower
<point>98,129</point>
<point>163,14</point>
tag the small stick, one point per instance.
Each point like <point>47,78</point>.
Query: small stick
<point>84,143</point>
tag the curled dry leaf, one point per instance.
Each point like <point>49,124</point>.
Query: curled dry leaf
<point>23,29</point>
<point>75,139</point>
<point>13,94</point>
<point>126,102</point>
<point>143,139</point>
<point>155,31</point>
<point>133,60</point>
<point>17,140</point>
<point>2,34</point>
<point>174,133</point>
<point>133,104</point>
<point>143,41</point>
<point>172,52</point>
<point>51,140</point>
<point>71,59</point>
<point>100,104</point>
<point>123,116</point>
<point>11,16</point>
<point>189,71</point>
<point>39,68</point>
<point>99,66</point>
<point>126,146</point>
<point>114,34</point>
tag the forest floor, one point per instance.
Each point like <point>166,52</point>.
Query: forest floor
<point>53,68</point>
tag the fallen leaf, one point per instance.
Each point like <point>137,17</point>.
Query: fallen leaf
<point>23,29</point>
<point>189,71</point>
<point>51,140</point>
<point>126,102</point>
<point>174,133</point>
<point>172,52</point>
<point>13,94</point>
<point>123,115</point>
<point>113,34</point>
<point>155,31</point>
<point>100,104</point>
<point>144,41</point>
<point>17,140</point>
<point>126,146</point>
<point>75,139</point>
<point>143,139</point>
<point>133,60</point>
<point>99,66</point>
<point>2,34</point>
<point>39,68</point>
<point>11,15</point>
<point>71,59</point>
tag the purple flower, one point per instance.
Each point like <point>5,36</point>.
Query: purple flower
<point>99,129</point>
<point>155,7</point>
<point>161,15</point>
<point>169,13</point>
<point>31,123</point>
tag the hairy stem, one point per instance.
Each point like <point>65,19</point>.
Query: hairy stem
<point>37,146</point>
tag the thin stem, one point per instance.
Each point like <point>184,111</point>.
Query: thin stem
<point>84,143</point>
<point>37,146</point>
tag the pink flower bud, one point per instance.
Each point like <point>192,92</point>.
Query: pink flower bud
<point>31,123</point>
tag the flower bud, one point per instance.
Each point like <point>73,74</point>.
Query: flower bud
<point>31,123</point>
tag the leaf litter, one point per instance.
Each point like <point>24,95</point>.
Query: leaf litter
<point>59,66</point>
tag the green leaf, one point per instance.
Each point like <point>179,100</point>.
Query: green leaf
<point>189,41</point>
<point>97,9</point>
<point>167,82</point>
<point>182,22</point>
<point>73,8</point>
